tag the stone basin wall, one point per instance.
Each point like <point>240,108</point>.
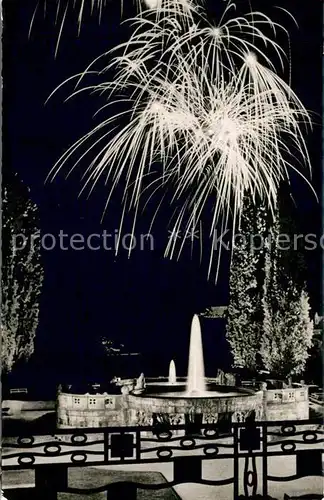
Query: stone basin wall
<point>84,410</point>
<point>105,410</point>
<point>209,407</point>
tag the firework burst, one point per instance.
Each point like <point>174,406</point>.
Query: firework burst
<point>218,122</point>
<point>222,47</point>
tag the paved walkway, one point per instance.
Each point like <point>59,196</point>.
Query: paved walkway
<point>216,469</point>
<point>82,477</point>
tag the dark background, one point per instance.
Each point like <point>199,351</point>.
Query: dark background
<point>145,302</point>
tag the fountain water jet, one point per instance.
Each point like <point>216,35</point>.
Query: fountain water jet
<point>172,373</point>
<point>196,370</point>
<point>195,387</point>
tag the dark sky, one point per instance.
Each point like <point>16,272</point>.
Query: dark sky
<point>145,302</point>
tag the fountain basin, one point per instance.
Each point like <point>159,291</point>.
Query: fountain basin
<point>175,403</point>
<point>178,390</point>
<point>195,394</point>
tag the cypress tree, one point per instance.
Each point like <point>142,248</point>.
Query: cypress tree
<point>244,318</point>
<point>22,272</point>
<point>268,323</point>
<point>287,327</point>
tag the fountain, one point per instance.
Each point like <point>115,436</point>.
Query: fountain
<point>196,369</point>
<point>172,373</point>
<point>180,399</point>
<point>195,386</point>
<point>192,399</point>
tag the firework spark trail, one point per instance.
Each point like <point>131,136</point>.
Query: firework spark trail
<point>62,9</point>
<point>182,9</point>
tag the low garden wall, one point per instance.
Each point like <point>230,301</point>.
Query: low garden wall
<point>16,406</point>
<point>286,404</point>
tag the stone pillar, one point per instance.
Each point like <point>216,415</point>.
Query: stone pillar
<point>264,401</point>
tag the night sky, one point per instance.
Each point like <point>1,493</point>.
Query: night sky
<point>145,302</point>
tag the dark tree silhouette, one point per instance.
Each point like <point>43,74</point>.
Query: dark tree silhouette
<point>287,326</point>
<point>269,323</point>
<point>244,316</point>
<point>22,272</point>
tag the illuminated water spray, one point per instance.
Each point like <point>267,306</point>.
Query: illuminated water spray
<point>172,373</point>
<point>196,369</point>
